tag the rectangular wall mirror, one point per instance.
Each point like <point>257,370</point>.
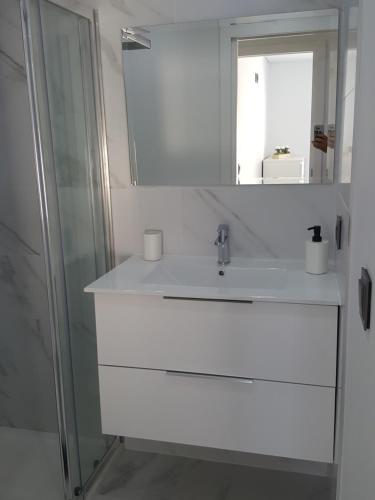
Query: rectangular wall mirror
<point>233,102</point>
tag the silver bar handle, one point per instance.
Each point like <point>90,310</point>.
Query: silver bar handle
<point>210,376</point>
<point>197,299</point>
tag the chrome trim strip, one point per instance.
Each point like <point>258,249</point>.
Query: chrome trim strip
<point>46,236</point>
<point>133,161</point>
<point>87,71</point>
<point>103,149</point>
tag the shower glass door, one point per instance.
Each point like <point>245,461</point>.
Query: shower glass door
<point>68,59</point>
<point>64,65</point>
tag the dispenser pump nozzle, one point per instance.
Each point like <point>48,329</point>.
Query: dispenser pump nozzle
<point>317,236</point>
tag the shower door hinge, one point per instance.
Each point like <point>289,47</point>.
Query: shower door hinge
<point>77,491</point>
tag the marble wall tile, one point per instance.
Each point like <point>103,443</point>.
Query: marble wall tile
<point>26,368</point>
<point>204,209</point>
<point>17,175</point>
<point>264,222</point>
<point>27,396</point>
<point>11,45</point>
<point>136,209</point>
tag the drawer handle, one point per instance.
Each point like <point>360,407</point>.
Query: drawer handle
<point>197,299</point>
<point>210,376</point>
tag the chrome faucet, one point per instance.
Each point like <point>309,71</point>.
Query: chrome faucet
<point>222,243</point>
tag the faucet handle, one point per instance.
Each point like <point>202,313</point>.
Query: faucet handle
<point>223,234</point>
<point>223,229</point>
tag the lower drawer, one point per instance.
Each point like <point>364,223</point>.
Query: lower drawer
<point>272,418</point>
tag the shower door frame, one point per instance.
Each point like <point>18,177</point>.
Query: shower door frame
<point>31,20</point>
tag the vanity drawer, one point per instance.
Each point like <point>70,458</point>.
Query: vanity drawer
<point>269,341</point>
<point>272,418</point>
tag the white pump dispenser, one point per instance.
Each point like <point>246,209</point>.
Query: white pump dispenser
<point>316,259</point>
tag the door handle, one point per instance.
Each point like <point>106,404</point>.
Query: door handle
<point>197,299</point>
<point>209,376</point>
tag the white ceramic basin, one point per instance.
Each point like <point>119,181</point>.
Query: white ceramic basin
<point>204,272</point>
<point>181,276</point>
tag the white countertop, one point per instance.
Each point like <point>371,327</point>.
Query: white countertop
<point>138,277</point>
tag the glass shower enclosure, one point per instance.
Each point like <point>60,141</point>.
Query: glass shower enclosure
<point>55,238</point>
<point>70,81</point>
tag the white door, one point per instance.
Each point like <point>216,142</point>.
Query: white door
<point>357,475</point>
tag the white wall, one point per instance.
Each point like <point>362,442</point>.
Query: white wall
<point>344,129</point>
<point>251,117</point>
<point>289,95</point>
<point>358,459</point>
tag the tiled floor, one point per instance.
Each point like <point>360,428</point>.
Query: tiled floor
<point>30,465</point>
<point>30,469</point>
<point>134,475</point>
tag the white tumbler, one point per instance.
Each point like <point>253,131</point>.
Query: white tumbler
<point>152,244</point>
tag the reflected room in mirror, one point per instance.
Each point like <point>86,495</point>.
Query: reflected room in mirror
<point>233,102</point>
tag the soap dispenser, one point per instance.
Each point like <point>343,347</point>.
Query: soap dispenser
<point>316,253</point>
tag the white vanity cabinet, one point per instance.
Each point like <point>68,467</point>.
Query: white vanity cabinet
<point>255,377</point>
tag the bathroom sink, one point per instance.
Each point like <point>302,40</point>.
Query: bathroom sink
<point>268,280</point>
<point>204,272</point>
